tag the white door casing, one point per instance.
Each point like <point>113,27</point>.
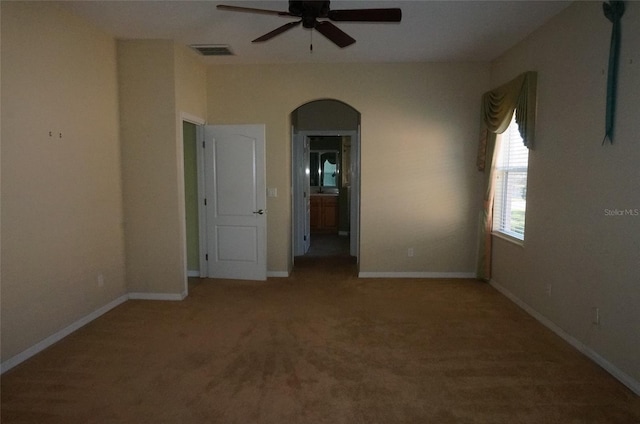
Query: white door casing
<point>354,218</point>
<point>235,180</point>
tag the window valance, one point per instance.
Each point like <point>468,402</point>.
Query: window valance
<point>498,106</point>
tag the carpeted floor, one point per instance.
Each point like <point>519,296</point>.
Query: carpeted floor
<point>318,347</point>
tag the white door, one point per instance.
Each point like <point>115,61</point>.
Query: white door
<point>236,201</point>
<point>307,196</point>
<point>301,204</point>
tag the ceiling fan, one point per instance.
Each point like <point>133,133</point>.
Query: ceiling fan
<point>310,11</point>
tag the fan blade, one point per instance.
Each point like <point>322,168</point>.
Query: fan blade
<point>252,10</point>
<point>366,15</point>
<point>335,34</point>
<point>276,31</point>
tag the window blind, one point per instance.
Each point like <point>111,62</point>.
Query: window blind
<point>511,183</point>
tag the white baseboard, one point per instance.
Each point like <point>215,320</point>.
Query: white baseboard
<point>269,274</point>
<point>624,378</point>
<point>56,337</point>
<point>416,274</point>
<point>157,296</point>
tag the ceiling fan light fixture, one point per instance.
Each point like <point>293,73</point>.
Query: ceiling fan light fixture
<point>213,49</point>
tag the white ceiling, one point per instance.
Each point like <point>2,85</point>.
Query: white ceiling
<point>430,31</point>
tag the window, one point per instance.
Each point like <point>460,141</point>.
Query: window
<point>510,196</point>
<point>329,173</point>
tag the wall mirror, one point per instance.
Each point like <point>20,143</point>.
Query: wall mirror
<point>324,168</point>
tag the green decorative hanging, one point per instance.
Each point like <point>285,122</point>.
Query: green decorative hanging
<point>613,10</point>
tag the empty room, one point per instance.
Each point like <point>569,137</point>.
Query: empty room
<point>320,212</point>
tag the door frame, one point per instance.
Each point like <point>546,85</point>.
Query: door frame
<point>198,122</point>
<point>300,185</point>
<point>298,188</point>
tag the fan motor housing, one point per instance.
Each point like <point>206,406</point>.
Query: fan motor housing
<point>309,11</point>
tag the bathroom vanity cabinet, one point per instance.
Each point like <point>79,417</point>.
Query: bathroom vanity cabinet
<point>324,213</point>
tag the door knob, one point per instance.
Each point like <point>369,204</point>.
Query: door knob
<point>260,211</point>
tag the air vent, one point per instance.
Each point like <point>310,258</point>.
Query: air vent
<point>213,49</point>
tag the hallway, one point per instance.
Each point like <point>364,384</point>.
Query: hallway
<point>323,245</point>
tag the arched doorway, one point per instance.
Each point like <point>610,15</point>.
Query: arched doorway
<point>326,196</point>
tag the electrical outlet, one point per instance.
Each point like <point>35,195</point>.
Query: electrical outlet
<point>410,252</point>
<point>100,280</point>
<point>548,289</point>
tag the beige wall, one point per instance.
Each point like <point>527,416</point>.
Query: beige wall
<point>150,169</point>
<point>61,196</point>
<point>419,139</point>
<point>589,256</point>
<point>158,81</point>
<point>190,82</point>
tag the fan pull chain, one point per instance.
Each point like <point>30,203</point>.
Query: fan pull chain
<point>311,41</point>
